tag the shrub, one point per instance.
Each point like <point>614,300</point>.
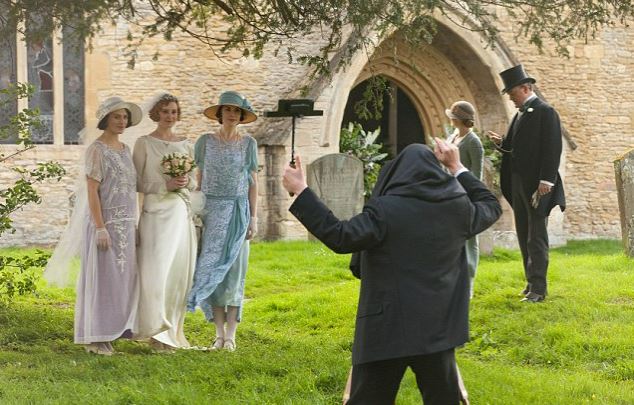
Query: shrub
<point>494,159</point>
<point>355,141</point>
<point>17,274</point>
<point>15,279</point>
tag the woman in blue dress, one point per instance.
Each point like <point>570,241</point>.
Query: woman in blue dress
<point>227,162</point>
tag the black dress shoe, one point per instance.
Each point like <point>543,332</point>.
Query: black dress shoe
<point>533,297</point>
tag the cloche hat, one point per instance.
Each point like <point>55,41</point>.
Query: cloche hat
<point>235,99</point>
<point>116,103</point>
<point>514,77</point>
<point>461,110</point>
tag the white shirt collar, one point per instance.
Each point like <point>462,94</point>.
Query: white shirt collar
<point>530,98</point>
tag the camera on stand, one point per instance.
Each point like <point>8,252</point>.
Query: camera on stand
<point>295,108</point>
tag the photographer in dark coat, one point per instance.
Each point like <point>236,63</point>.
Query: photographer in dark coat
<point>414,300</point>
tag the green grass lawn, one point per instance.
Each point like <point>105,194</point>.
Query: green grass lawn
<point>295,338</point>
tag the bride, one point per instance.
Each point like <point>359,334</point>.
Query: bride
<point>166,253</point>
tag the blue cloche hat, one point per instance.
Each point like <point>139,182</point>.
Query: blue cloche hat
<point>235,99</point>
<point>514,77</point>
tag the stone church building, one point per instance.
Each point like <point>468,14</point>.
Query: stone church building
<point>593,92</point>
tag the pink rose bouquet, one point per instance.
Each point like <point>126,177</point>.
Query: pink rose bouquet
<point>177,164</point>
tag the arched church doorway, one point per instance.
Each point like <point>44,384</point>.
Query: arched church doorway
<point>399,121</point>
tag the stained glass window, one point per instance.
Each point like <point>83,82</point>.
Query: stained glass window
<point>38,63</point>
<point>39,57</point>
<point>7,75</point>
<point>73,86</point>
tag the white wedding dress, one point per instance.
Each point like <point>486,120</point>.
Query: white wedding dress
<point>166,254</point>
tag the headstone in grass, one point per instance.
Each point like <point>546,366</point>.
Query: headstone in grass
<point>624,174</point>
<point>338,180</point>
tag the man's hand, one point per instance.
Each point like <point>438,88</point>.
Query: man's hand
<point>448,155</point>
<point>293,180</point>
<point>543,189</point>
<point>496,138</point>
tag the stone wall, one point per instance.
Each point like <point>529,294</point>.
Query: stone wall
<point>592,92</point>
<point>41,224</point>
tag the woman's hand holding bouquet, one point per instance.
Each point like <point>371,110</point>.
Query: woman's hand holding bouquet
<point>177,166</point>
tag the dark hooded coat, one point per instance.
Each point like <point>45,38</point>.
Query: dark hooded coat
<point>414,295</point>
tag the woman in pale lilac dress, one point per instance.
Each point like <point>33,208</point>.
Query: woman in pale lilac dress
<point>107,289</point>
<point>227,162</point>
<point>167,248</point>
<point>462,116</point>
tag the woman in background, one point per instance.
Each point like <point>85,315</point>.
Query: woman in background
<point>462,116</point>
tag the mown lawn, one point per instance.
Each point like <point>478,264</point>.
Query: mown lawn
<point>294,341</point>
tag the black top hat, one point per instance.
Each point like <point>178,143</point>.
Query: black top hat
<point>514,77</point>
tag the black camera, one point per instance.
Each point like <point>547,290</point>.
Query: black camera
<point>299,107</point>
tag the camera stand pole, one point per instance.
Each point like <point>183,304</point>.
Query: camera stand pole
<point>292,163</point>
<point>295,108</point>
<point>293,143</point>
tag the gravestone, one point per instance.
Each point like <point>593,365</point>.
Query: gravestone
<point>338,180</point>
<point>624,174</point>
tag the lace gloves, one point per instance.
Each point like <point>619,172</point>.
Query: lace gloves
<point>103,239</point>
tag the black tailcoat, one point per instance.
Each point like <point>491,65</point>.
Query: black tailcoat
<point>414,296</point>
<point>532,149</point>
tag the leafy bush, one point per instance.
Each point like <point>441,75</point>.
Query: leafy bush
<point>494,157</point>
<point>17,275</point>
<point>22,193</point>
<point>15,278</point>
<point>356,142</point>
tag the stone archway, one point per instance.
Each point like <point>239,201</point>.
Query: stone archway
<point>400,123</point>
<point>457,65</point>
<point>454,67</point>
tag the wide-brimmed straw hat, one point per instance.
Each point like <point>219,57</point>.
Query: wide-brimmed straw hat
<point>461,110</point>
<point>235,99</point>
<point>116,103</point>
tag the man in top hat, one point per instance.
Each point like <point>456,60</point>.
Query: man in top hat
<point>529,175</point>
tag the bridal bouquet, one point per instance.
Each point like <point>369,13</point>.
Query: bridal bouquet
<point>177,164</point>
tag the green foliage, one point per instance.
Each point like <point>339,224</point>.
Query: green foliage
<point>24,120</point>
<point>342,27</point>
<point>295,337</point>
<point>23,191</point>
<point>17,275</point>
<point>370,106</point>
<point>354,141</point>
<point>492,155</point>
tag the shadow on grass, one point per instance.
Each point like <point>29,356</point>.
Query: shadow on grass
<point>603,247</point>
<point>31,324</point>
